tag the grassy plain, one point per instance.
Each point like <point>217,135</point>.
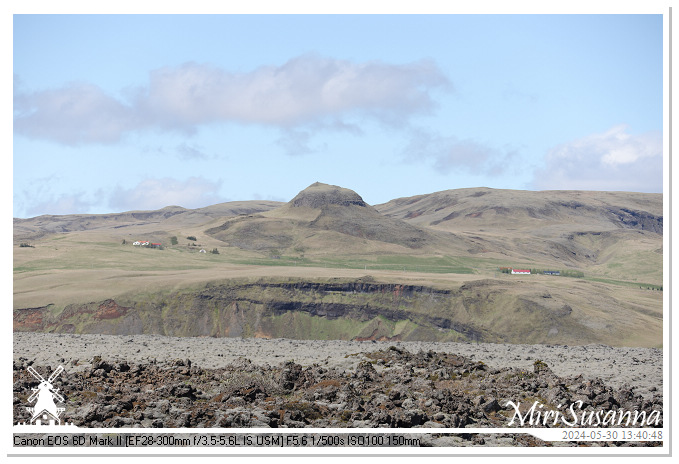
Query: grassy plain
<point>85,267</point>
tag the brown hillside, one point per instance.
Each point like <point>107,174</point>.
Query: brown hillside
<point>558,228</point>
<point>336,214</point>
<point>471,209</point>
<point>167,218</point>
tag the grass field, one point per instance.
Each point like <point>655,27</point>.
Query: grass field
<point>64,261</point>
<point>438,265</point>
<point>88,267</point>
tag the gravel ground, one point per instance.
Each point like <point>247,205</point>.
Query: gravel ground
<point>641,368</point>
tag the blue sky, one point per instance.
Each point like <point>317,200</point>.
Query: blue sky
<point>132,112</point>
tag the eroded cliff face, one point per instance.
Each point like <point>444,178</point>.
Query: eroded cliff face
<point>479,311</point>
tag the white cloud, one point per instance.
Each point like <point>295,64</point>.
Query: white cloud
<point>612,160</point>
<point>622,148</point>
<point>452,154</point>
<point>73,115</point>
<point>151,194</point>
<point>39,197</point>
<point>307,90</point>
<point>63,204</point>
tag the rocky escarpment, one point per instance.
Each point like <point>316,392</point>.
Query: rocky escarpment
<point>393,388</point>
<point>632,219</point>
<point>479,311</point>
<point>337,310</point>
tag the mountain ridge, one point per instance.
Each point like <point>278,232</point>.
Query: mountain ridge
<point>567,228</point>
<point>446,198</point>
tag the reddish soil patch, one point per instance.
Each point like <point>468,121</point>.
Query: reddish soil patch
<point>109,309</point>
<point>28,319</point>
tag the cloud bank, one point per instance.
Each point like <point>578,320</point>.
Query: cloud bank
<point>305,90</point>
<point>78,113</point>
<point>149,194</point>
<point>613,160</point>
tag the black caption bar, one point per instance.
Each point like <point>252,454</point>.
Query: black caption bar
<point>127,440</point>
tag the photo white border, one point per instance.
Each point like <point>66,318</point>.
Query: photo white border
<point>12,7</point>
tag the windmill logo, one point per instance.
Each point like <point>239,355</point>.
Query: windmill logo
<point>45,409</point>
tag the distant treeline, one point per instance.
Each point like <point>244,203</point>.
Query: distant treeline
<point>566,273</point>
<point>651,287</point>
<point>559,272</point>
